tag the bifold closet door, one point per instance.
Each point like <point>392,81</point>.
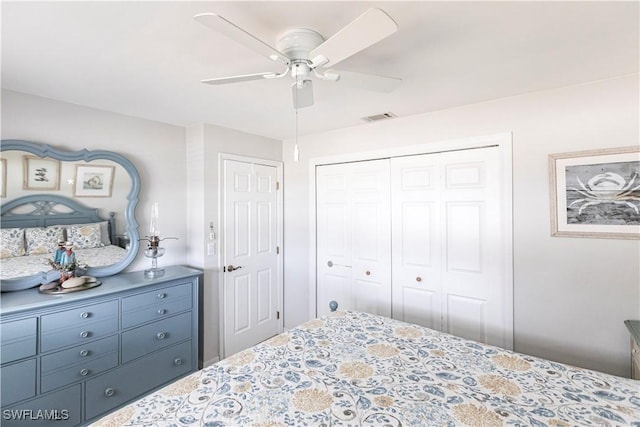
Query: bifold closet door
<point>448,244</point>
<point>354,237</point>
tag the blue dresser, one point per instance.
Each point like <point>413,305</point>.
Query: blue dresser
<point>69,359</point>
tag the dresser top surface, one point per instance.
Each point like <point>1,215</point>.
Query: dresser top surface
<point>19,301</point>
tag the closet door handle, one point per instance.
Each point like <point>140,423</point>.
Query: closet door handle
<point>232,268</point>
<point>331,264</point>
<point>418,279</point>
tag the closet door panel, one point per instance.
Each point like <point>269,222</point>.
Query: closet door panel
<point>420,306</point>
<point>472,281</point>
<point>353,237</point>
<point>416,235</point>
<point>466,317</point>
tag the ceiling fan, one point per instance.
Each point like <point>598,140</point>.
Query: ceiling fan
<point>305,52</point>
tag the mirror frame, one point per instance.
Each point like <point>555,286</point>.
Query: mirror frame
<point>44,150</point>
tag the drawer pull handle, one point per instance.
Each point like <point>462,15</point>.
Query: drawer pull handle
<point>84,315</point>
<point>368,273</point>
<point>84,353</point>
<point>84,334</point>
<point>161,335</point>
<point>418,279</point>
<point>161,311</point>
<point>162,295</point>
<point>84,372</point>
<point>109,392</point>
<point>177,361</point>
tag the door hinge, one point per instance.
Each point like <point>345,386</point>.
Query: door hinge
<point>277,185</point>
<point>278,314</point>
<point>278,250</point>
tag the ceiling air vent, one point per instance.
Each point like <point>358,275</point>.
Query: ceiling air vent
<point>378,117</point>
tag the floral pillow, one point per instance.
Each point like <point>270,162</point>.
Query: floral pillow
<point>43,240</point>
<point>11,242</point>
<point>85,236</point>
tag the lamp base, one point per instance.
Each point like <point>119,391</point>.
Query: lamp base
<point>153,273</point>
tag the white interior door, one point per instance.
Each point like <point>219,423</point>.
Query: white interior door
<point>448,244</point>
<point>354,237</point>
<point>251,278</point>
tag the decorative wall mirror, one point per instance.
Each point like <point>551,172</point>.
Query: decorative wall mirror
<point>87,198</point>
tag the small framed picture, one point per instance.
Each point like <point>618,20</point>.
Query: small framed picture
<point>596,193</point>
<point>40,173</point>
<point>93,181</point>
<point>3,177</point>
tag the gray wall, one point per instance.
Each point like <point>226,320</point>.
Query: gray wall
<point>571,295</point>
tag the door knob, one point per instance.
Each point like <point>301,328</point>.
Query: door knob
<point>231,267</point>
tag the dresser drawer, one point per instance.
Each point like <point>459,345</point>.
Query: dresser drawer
<point>78,363</point>
<point>18,339</point>
<point>155,305</point>
<point>75,326</point>
<point>18,381</point>
<point>110,390</point>
<point>61,408</point>
<point>145,339</point>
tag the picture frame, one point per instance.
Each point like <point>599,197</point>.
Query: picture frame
<point>40,173</point>
<point>93,181</point>
<point>596,193</point>
<point>3,177</point>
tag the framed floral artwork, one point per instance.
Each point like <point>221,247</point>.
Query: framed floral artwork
<point>40,173</point>
<point>93,181</point>
<point>596,193</point>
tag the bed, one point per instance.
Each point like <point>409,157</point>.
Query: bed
<point>31,227</point>
<point>351,368</point>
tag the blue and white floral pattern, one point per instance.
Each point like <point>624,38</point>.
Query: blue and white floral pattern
<point>28,265</point>
<point>358,369</point>
<point>43,240</point>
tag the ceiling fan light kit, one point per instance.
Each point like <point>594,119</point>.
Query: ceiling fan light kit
<point>304,52</point>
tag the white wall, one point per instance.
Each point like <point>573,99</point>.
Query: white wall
<point>204,144</point>
<point>156,149</point>
<point>571,295</point>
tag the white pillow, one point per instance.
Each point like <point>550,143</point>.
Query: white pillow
<point>41,240</point>
<point>85,236</point>
<point>11,242</point>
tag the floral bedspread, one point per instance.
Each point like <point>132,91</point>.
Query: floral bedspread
<point>356,369</point>
<point>28,265</point>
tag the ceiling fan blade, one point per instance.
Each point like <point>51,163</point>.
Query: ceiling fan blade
<point>237,79</point>
<point>231,30</point>
<point>367,81</point>
<point>366,30</point>
<point>302,94</point>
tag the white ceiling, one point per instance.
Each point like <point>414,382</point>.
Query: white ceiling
<point>146,58</point>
